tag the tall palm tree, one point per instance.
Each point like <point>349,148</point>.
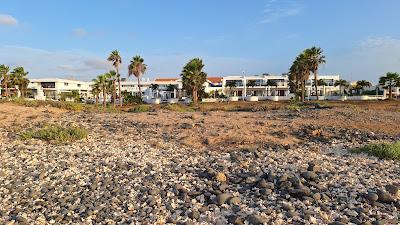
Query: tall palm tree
<point>137,68</point>
<point>300,71</point>
<point>5,77</point>
<point>18,79</point>
<point>341,83</point>
<point>315,58</point>
<point>389,81</point>
<point>116,60</point>
<point>193,77</point>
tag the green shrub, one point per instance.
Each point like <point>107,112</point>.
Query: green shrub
<point>56,133</point>
<point>381,150</point>
<point>140,108</point>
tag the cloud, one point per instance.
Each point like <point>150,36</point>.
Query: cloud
<point>8,20</point>
<point>276,10</point>
<point>79,32</point>
<point>371,58</point>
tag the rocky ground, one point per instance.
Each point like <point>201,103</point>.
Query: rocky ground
<point>284,167</point>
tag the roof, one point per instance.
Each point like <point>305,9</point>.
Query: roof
<point>215,79</point>
<point>165,79</point>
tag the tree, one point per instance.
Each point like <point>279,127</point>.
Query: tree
<point>193,77</point>
<point>5,77</point>
<point>299,73</point>
<point>18,80</point>
<point>102,83</point>
<point>315,57</point>
<point>361,84</point>
<point>250,84</point>
<point>322,83</point>
<point>112,79</point>
<point>96,92</point>
<point>389,81</point>
<point>137,68</point>
<point>271,83</point>
<point>231,84</point>
<point>154,88</point>
<point>116,60</point>
<point>341,83</point>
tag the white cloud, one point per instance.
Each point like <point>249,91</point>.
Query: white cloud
<point>79,32</point>
<point>370,59</point>
<point>275,10</point>
<point>8,20</point>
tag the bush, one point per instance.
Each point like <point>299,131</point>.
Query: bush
<point>56,133</point>
<point>140,108</point>
<point>381,150</point>
<point>130,99</point>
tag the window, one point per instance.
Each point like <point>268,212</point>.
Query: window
<point>48,85</point>
<point>79,85</point>
<point>65,84</point>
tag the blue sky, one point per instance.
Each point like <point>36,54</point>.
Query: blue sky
<point>71,38</point>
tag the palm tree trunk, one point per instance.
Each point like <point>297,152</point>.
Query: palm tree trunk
<point>114,93</point>
<point>119,89</point>
<point>390,92</point>
<point>6,87</point>
<point>316,84</point>
<point>194,95</point>
<point>140,89</point>
<point>303,90</point>
<point>104,97</point>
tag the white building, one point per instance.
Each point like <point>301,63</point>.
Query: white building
<point>328,89</point>
<point>53,88</point>
<point>265,86</point>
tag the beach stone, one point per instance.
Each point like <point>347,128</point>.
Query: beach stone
<point>223,198</point>
<point>371,196</point>
<point>235,200</point>
<point>256,219</point>
<point>385,197</point>
<point>220,177</point>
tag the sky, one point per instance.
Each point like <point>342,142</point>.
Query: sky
<point>73,38</point>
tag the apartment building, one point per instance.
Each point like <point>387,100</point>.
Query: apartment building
<point>263,86</point>
<point>53,88</point>
<point>327,89</point>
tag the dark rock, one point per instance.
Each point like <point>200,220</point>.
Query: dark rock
<point>309,175</point>
<point>223,198</point>
<point>300,192</point>
<point>194,214</point>
<point>392,189</point>
<point>371,196</point>
<point>385,197</point>
<point>256,220</point>
<point>235,220</point>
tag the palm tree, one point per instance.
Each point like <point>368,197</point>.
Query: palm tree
<point>315,57</point>
<point>300,72</point>
<point>389,81</point>
<point>102,83</point>
<point>5,77</point>
<point>116,60</point>
<point>322,83</point>
<point>250,84</point>
<point>154,88</point>
<point>341,83</point>
<point>18,79</point>
<point>271,83</point>
<point>137,68</point>
<point>231,85</point>
<point>193,77</point>
<point>361,84</point>
<point>96,91</point>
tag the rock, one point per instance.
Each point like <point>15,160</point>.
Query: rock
<point>316,196</point>
<point>351,213</point>
<point>300,192</point>
<point>392,189</point>
<point>313,167</point>
<point>256,219</point>
<point>235,200</point>
<point>309,175</point>
<point>223,198</point>
<point>220,177</point>
<point>385,197</point>
<point>371,196</point>
<point>236,220</point>
<point>194,214</point>
<point>381,222</point>
<point>251,180</point>
<point>337,223</point>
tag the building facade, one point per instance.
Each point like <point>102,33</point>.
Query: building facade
<point>53,88</point>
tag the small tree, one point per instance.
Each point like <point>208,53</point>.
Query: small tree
<point>154,88</point>
<point>389,81</point>
<point>361,84</point>
<point>271,83</point>
<point>193,77</point>
<point>5,77</point>
<point>341,83</point>
<point>231,84</point>
<point>250,84</point>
